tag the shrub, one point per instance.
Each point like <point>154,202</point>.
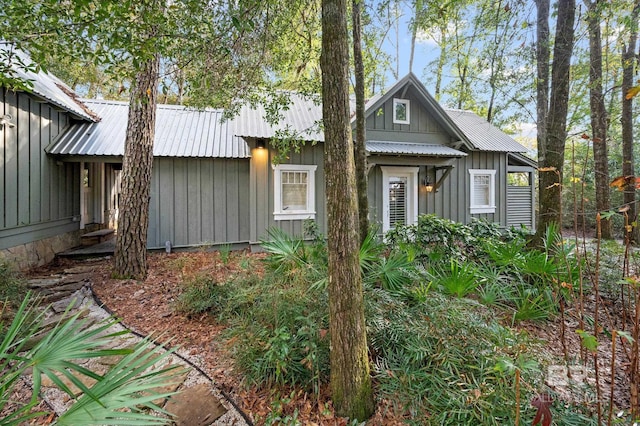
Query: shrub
<point>438,359</point>
<point>202,294</point>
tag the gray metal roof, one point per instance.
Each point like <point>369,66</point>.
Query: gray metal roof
<point>300,118</point>
<point>482,134</point>
<point>52,89</point>
<point>406,148</point>
<point>180,132</point>
<point>303,114</point>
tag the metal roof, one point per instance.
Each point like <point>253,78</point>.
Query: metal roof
<point>302,115</point>
<point>52,89</point>
<point>432,150</point>
<point>299,118</point>
<point>482,134</point>
<point>180,132</point>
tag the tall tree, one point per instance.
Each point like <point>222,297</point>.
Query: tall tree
<point>130,255</point>
<point>626,119</point>
<point>598,113</point>
<point>551,148</point>
<point>360,150</point>
<point>350,380</point>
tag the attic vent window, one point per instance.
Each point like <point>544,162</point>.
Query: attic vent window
<point>401,111</point>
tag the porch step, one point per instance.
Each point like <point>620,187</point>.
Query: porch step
<point>99,235</point>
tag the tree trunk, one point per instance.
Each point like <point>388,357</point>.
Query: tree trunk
<point>628,71</point>
<point>553,145</point>
<point>414,31</point>
<point>130,257</point>
<point>542,82</point>
<point>350,381</point>
<point>442,59</point>
<point>360,149</point>
<point>598,115</point>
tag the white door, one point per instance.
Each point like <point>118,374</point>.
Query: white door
<point>399,196</point>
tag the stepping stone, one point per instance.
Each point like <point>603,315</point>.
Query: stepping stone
<point>79,269</point>
<point>38,283</point>
<point>195,406</point>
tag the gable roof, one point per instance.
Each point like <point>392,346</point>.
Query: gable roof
<point>49,87</point>
<point>429,101</point>
<point>200,133</point>
<point>303,113</point>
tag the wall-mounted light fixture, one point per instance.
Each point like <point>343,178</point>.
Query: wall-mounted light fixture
<point>5,120</point>
<point>261,143</point>
<point>428,184</point>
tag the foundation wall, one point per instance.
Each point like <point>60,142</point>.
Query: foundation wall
<point>41,252</point>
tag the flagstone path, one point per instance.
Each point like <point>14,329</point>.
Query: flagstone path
<point>198,403</point>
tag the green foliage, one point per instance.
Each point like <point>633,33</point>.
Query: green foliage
<point>438,359</point>
<point>276,326</point>
<point>459,279</point>
<point>121,396</point>
<point>13,288</point>
<point>202,294</point>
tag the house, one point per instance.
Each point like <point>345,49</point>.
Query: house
<point>216,182</point>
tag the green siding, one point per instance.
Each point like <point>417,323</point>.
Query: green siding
<point>262,191</point>
<point>39,198</point>
<point>198,201</point>
<point>422,126</point>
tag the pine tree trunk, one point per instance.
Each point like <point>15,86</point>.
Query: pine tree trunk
<point>350,381</point>
<point>130,257</point>
<point>598,116</point>
<point>626,119</point>
<point>360,149</point>
<point>552,162</point>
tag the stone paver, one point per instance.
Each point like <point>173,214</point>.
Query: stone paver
<point>198,403</point>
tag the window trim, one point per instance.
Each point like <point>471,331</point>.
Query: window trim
<point>407,104</point>
<point>491,207</point>
<point>310,212</point>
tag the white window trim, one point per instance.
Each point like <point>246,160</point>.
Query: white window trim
<point>407,104</point>
<point>411,173</point>
<point>310,213</point>
<point>491,207</point>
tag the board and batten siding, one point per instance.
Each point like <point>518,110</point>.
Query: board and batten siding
<point>452,199</point>
<point>262,190</point>
<point>422,126</point>
<point>199,201</point>
<point>39,196</point>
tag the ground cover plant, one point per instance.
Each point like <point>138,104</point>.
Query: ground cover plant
<point>441,355</point>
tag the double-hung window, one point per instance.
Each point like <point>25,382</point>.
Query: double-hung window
<point>294,192</point>
<point>483,191</point>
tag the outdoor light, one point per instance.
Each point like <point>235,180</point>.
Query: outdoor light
<point>428,185</point>
<point>261,143</point>
<point>6,120</point>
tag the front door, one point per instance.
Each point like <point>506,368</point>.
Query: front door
<point>400,196</point>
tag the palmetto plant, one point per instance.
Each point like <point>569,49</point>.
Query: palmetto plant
<point>122,396</point>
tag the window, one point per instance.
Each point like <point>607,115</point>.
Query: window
<point>294,192</point>
<point>401,111</point>
<point>483,191</point>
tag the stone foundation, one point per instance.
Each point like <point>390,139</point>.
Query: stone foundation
<point>38,253</point>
